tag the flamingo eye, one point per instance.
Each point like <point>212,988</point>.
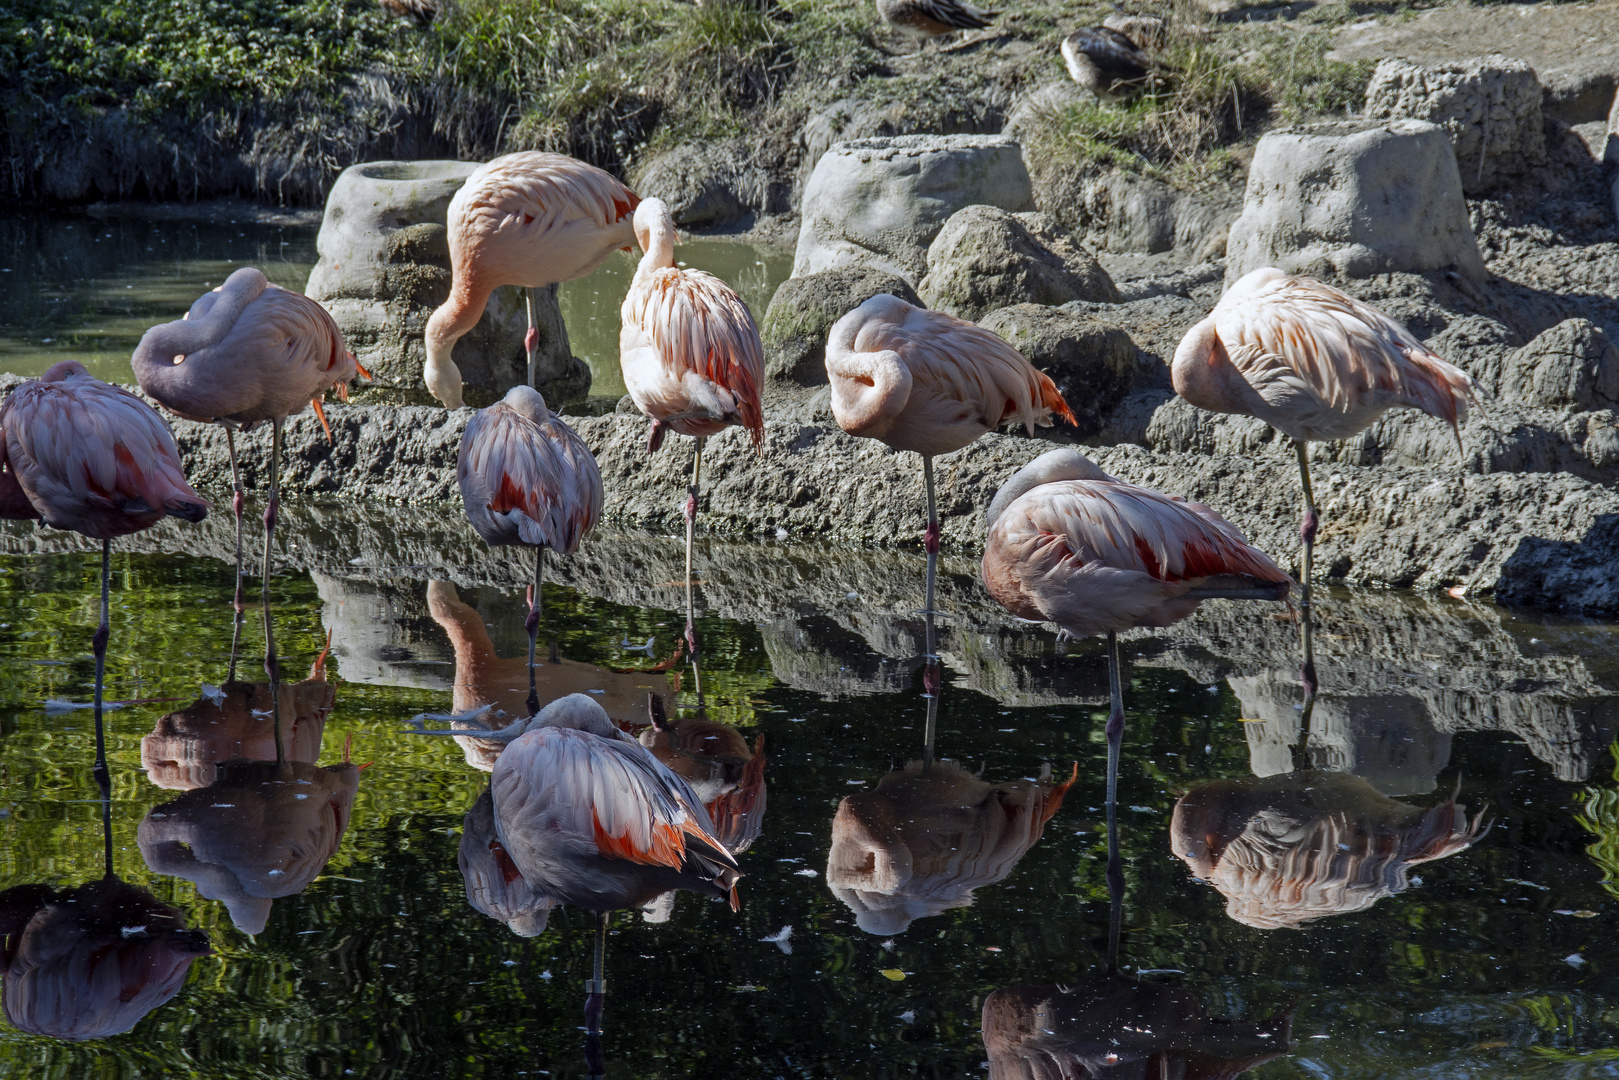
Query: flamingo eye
<point>179,358</point>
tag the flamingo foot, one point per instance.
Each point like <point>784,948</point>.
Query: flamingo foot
<point>1312,522</point>
<point>930,538</point>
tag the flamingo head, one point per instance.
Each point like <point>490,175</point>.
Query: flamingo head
<point>1050,467</point>
<point>652,220</point>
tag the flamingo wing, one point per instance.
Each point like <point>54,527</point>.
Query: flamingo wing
<point>538,193</point>
<point>608,796</point>
<point>527,483</point>
<point>960,361</point>
<point>1294,335</point>
<point>698,325</point>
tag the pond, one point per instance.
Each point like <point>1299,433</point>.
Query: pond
<point>1420,881</point>
<point>85,288</point>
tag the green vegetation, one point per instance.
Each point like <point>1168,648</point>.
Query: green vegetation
<point>1599,814</point>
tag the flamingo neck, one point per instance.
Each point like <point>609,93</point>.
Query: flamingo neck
<point>869,389</point>
<point>1051,467</point>
<point>452,320</point>
<point>159,361</point>
<point>660,249</point>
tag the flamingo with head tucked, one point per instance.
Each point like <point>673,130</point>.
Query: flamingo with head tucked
<point>530,219</point>
<point>1314,363</point>
<point>527,478</point>
<point>931,383</point>
<point>1072,545</point>
<point>691,358</point>
<point>94,458</point>
<point>247,352</point>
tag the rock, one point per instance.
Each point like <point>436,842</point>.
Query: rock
<point>985,258</point>
<point>1610,145</point>
<point>1490,106</point>
<point>1093,363</point>
<point>895,113</point>
<point>1118,210</point>
<point>1352,199</point>
<point>385,265</point>
<point>1570,46</point>
<point>1571,365</point>
<point>717,183</point>
<point>880,202</point>
<point>1562,575</point>
<point>1042,103</point>
<point>802,312</point>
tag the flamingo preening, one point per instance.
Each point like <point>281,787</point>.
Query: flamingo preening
<point>1072,545</point>
<point>527,478</point>
<point>691,358</point>
<point>530,219</point>
<point>94,458</point>
<point>931,383</point>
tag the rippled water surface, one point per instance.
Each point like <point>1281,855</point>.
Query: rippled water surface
<point>85,288</point>
<point>1405,935</point>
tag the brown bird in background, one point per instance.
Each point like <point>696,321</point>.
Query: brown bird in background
<point>1108,63</point>
<point>927,19</point>
<point>421,12</point>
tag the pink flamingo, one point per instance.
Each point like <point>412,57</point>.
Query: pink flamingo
<point>530,219</point>
<point>931,383</point>
<point>247,352</point>
<point>691,358</point>
<point>527,478</point>
<point>1314,363</point>
<point>98,460</point>
<point>590,817</point>
<point>1072,545</point>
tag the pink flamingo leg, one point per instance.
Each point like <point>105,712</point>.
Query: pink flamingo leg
<point>103,633</point>
<point>1115,744</point>
<point>690,511</point>
<point>930,540</point>
<point>531,623</point>
<point>531,340</point>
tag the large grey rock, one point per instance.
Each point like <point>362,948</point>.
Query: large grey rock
<point>1352,199</point>
<point>1490,106</point>
<point>1610,145</point>
<point>897,112</point>
<point>802,312</point>
<point>986,258</point>
<point>1093,363</point>
<point>880,202</point>
<point>1571,365</point>
<point>1117,210</point>
<point>1565,575</point>
<point>1040,106</point>
<point>385,265</point>
<point>716,183</point>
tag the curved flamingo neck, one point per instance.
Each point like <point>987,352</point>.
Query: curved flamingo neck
<point>660,248</point>
<point>1203,374</point>
<point>209,322</point>
<point>869,389</point>
<point>449,322</point>
<point>1051,467</point>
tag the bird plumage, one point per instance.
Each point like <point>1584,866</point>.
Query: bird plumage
<point>933,18</point>
<point>1107,62</point>
<point>92,457</point>
<point>591,818</point>
<point>526,477</point>
<point>1093,554</point>
<point>1311,361</point>
<point>929,382</point>
<point>246,352</point>
<point>530,219</point>
<point>688,346</point>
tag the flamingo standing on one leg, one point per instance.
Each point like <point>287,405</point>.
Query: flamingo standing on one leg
<point>1314,363</point>
<point>691,358</point>
<point>527,478</point>
<point>931,383</point>
<point>96,459</point>
<point>530,219</point>
<point>1072,545</point>
<point>589,817</point>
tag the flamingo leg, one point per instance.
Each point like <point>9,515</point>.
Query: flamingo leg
<point>238,503</point>
<point>273,505</point>
<point>930,542</point>
<point>99,643</point>
<point>272,668</point>
<point>1307,610</point>
<point>1311,522</point>
<point>930,690</point>
<point>105,783</point>
<point>1115,742</point>
<point>596,998</point>
<point>691,537</point>
<point>536,607</point>
<point>531,340</point>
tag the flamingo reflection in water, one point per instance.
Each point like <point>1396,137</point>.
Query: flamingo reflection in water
<point>715,760</point>
<point>1286,850</point>
<point>928,836</point>
<point>486,680</point>
<point>90,961</point>
<point>586,816</point>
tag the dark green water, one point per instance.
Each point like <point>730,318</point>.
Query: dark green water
<point>1498,960</point>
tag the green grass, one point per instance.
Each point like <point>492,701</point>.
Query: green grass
<point>1599,815</point>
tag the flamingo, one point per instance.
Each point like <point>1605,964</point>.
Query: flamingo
<point>715,760</point>
<point>931,383</point>
<point>530,219</point>
<point>527,478</point>
<point>1314,363</point>
<point>1072,545</point>
<point>96,459</point>
<point>247,352</point>
<point>1286,850</point>
<point>691,358</point>
<point>928,836</point>
<point>928,19</point>
<point>590,817</point>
